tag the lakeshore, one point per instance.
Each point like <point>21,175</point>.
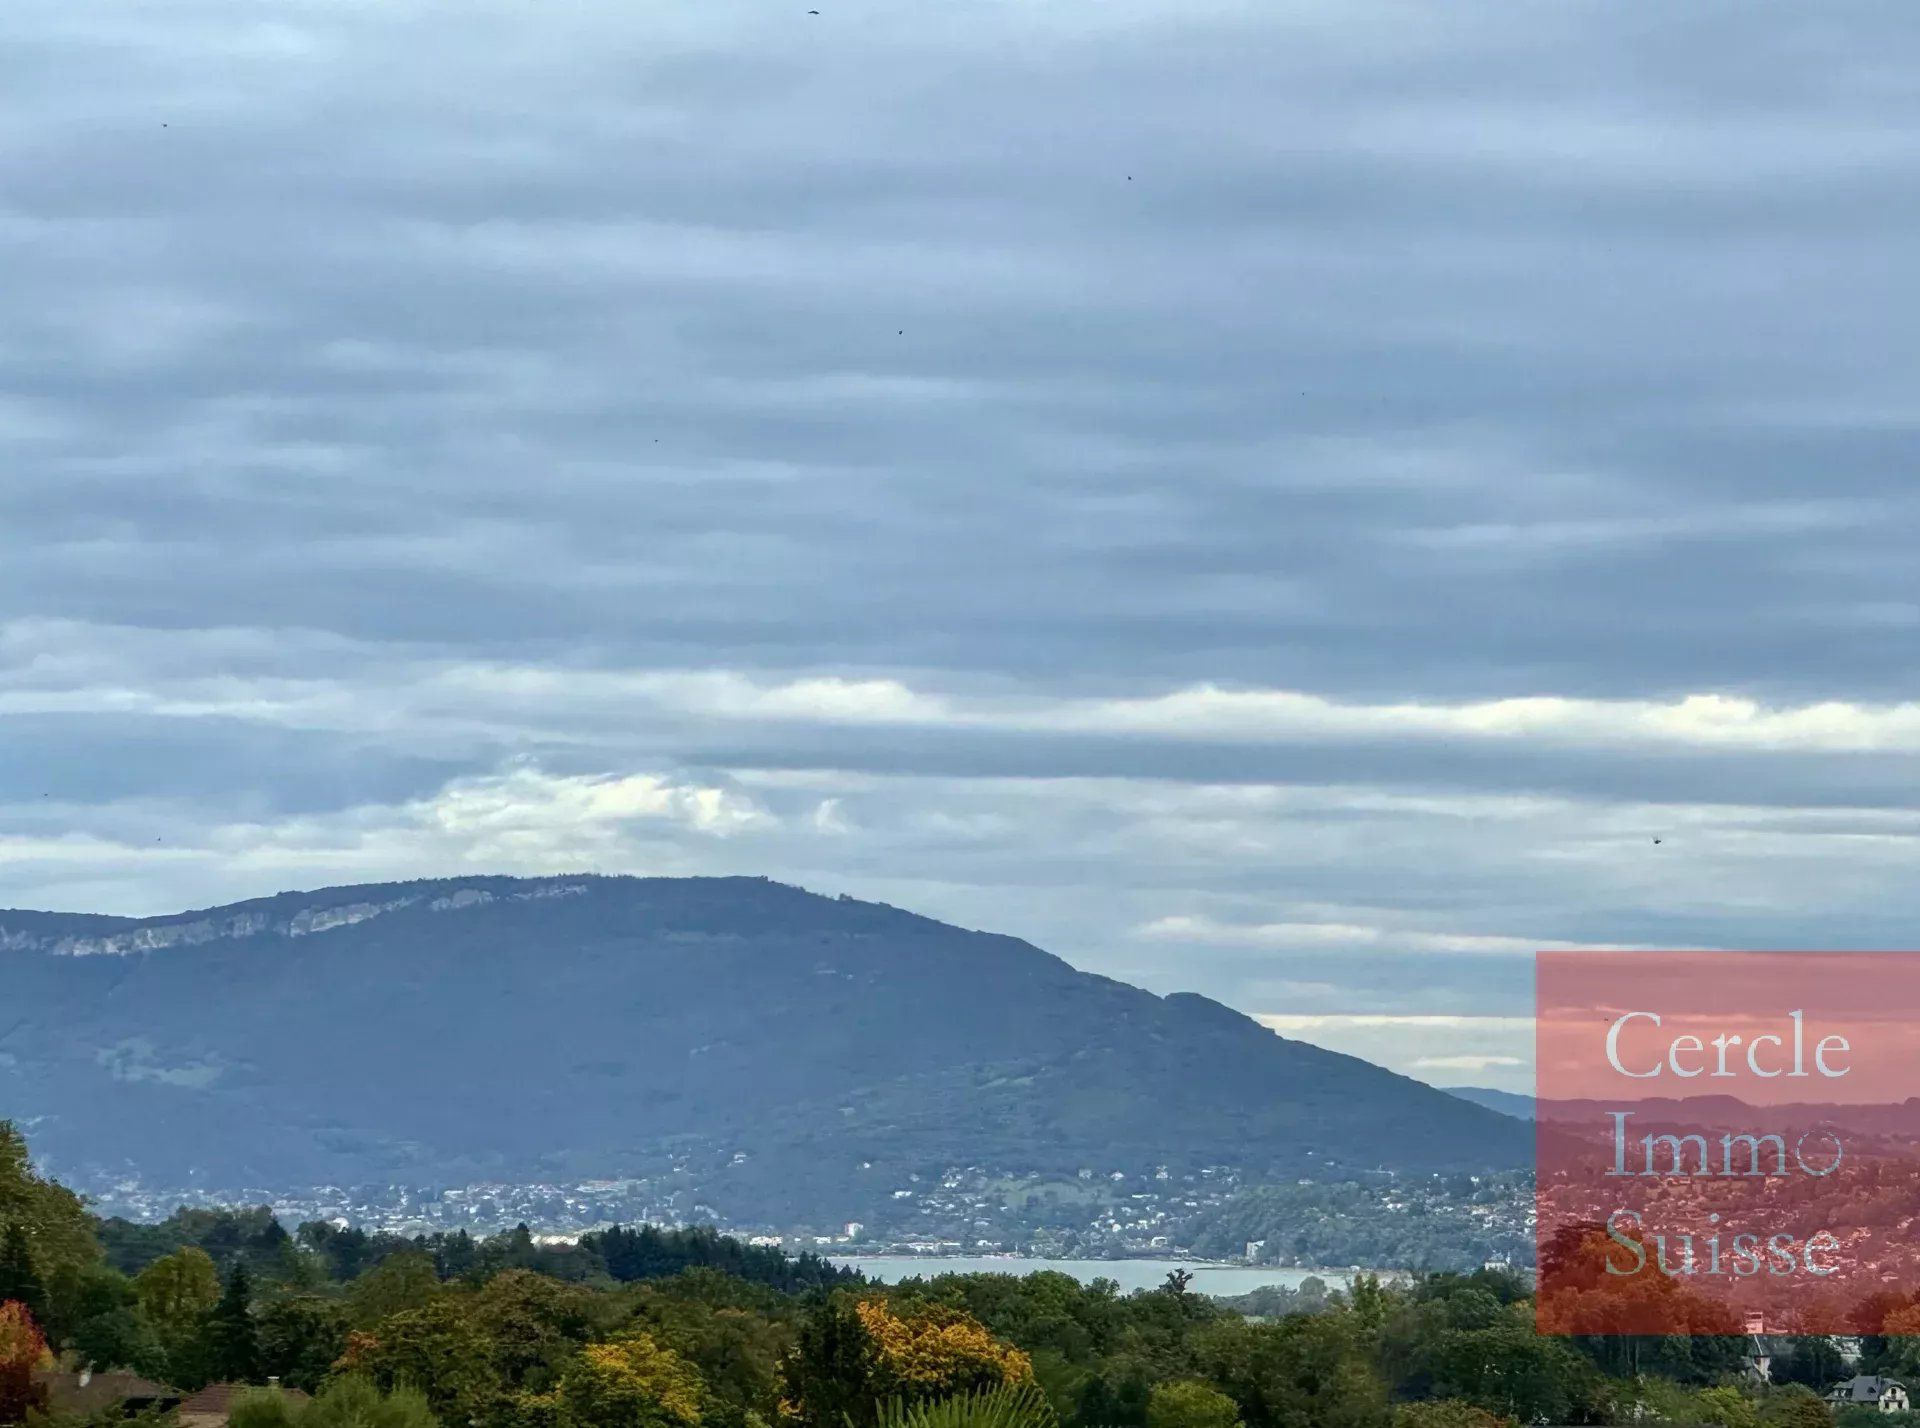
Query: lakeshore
<point>1130,1274</point>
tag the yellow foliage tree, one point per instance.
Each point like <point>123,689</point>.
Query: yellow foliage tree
<point>177,1289</point>
<point>936,1351</point>
<point>855,1359</point>
<point>630,1382</point>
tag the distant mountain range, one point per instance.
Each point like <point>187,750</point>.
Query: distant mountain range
<point>789,1056</point>
<point>1507,1103</point>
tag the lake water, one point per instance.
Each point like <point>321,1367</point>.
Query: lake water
<point>1130,1274</point>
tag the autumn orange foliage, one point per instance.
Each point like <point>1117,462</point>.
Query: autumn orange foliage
<point>23,1348</point>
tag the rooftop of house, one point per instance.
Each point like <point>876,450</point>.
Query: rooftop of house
<point>1865,1388</point>
<point>85,1392</point>
<point>215,1401</point>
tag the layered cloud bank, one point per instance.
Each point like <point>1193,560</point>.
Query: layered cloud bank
<point>1286,501</point>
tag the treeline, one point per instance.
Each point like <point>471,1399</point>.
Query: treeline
<point>653,1253</point>
<point>318,1251</point>
<point>662,1329</point>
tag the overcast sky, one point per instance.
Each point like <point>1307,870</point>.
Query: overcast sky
<point>1283,500</point>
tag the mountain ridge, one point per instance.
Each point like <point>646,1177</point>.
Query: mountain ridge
<point>1507,1103</point>
<point>735,1042</point>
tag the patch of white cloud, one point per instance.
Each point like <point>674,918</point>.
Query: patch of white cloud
<point>1466,1063</point>
<point>1313,1021</point>
<point>521,820</point>
<point>1496,1051</point>
<point>1284,936</point>
<point>529,800</point>
<point>68,667</point>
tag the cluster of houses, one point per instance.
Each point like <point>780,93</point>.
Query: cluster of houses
<point>1866,1390</point>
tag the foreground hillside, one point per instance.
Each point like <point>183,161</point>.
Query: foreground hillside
<point>775,1054</point>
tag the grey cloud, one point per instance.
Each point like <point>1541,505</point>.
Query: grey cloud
<point>1372,351</point>
<point>53,766</point>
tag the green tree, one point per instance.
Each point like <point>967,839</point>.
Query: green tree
<point>399,1283</point>
<point>265,1408</point>
<point>1446,1413</point>
<point>351,1402</point>
<point>1810,1359</point>
<point>1306,1369</point>
<point>120,1338</point>
<point>535,1326</point>
<point>175,1294</point>
<point>1369,1299</point>
<point>1728,1407</point>
<point>1795,1406</point>
<point>1188,1403</point>
<point>176,1291</point>
<point>19,1280</point>
<point>301,1337</point>
<point>1513,1372</point>
<point>296,1269</point>
<point>439,1349</point>
<point>232,1343</point>
<point>104,1325</point>
<point>734,1333</point>
<point>1116,1394</point>
<point>827,1380</point>
<point>49,1219</point>
<point>347,1402</point>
